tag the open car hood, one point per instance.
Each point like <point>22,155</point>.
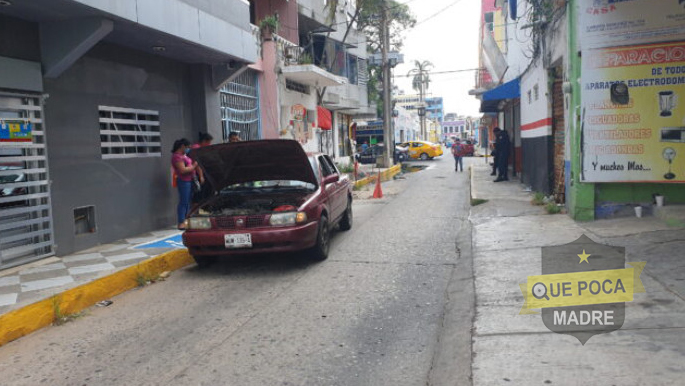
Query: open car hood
<point>227,164</point>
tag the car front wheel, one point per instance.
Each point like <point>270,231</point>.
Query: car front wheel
<point>320,251</point>
<point>346,221</point>
<point>424,156</point>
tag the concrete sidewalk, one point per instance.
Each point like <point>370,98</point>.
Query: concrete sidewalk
<point>29,283</point>
<point>36,295</point>
<point>515,349</point>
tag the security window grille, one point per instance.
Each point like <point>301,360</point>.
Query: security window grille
<point>129,133</point>
<point>362,71</point>
<point>25,201</point>
<point>240,107</point>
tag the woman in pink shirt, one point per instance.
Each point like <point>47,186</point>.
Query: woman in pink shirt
<point>185,172</point>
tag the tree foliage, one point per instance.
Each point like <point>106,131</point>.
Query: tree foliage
<point>367,18</point>
<point>421,76</point>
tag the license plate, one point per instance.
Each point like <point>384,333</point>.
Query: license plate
<point>238,240</point>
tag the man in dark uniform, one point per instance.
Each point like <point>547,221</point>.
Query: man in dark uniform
<point>502,149</point>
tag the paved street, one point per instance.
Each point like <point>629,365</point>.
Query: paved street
<point>391,306</point>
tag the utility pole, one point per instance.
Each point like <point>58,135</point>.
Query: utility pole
<point>388,134</point>
<point>422,107</point>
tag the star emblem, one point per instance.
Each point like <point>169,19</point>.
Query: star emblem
<point>583,257</point>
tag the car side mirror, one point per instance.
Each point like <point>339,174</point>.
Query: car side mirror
<point>331,178</point>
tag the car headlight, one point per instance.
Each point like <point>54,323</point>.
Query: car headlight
<point>199,223</point>
<point>289,218</point>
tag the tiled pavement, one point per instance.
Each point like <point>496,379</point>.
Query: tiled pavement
<point>40,280</point>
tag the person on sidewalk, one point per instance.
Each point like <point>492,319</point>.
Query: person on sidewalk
<point>184,168</point>
<point>233,137</point>
<point>204,139</point>
<point>458,151</point>
<point>502,146</point>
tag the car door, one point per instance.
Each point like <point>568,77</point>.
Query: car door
<point>413,150</point>
<point>331,189</point>
<point>340,192</point>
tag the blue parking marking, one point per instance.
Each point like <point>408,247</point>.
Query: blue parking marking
<point>168,242</point>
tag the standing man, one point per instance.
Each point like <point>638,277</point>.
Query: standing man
<point>502,148</point>
<point>233,137</point>
<point>493,152</point>
<point>458,151</point>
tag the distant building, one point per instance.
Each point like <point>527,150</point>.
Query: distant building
<point>434,109</point>
<point>411,102</point>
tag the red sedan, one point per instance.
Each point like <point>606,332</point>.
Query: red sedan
<point>270,196</point>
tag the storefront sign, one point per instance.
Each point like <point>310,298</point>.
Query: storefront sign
<point>15,132</point>
<point>605,23</point>
<point>634,114</point>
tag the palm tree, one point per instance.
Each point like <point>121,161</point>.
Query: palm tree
<point>420,82</point>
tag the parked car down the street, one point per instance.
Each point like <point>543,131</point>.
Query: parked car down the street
<point>271,196</point>
<point>370,154</point>
<point>423,150</point>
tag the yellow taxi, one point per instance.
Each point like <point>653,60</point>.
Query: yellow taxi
<point>423,150</point>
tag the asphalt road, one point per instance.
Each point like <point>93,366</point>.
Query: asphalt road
<point>393,305</point>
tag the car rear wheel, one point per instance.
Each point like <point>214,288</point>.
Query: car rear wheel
<point>424,156</point>
<point>346,221</point>
<point>320,251</point>
<point>204,261</point>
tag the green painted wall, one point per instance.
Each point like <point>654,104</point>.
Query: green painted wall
<point>581,196</point>
<point>639,193</point>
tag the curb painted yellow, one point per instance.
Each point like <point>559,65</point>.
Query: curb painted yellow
<point>386,175</point>
<point>26,320</point>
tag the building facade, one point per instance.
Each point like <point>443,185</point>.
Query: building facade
<point>312,83</point>
<point>593,113</point>
<point>92,96</point>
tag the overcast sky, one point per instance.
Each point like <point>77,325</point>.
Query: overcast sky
<point>450,41</point>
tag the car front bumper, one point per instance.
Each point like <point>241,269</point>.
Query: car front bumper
<point>264,240</point>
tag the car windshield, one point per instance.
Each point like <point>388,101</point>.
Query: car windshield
<point>270,185</point>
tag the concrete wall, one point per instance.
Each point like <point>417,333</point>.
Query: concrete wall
<point>287,17</point>
<point>26,48</point>
<point>131,196</point>
<point>204,22</point>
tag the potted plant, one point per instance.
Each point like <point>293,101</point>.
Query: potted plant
<point>268,26</point>
<point>305,58</point>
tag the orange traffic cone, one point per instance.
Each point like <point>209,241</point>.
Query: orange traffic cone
<point>378,192</point>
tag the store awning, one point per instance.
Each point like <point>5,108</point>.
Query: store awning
<point>490,99</point>
<point>325,119</point>
<point>509,90</point>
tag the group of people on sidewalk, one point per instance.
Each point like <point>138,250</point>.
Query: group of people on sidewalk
<point>500,152</point>
<point>187,176</point>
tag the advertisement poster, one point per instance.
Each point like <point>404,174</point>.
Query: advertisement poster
<point>634,114</point>
<point>297,128</point>
<point>15,132</point>
<point>605,23</point>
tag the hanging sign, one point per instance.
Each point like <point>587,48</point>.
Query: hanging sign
<point>634,109</point>
<point>605,23</point>
<point>15,132</point>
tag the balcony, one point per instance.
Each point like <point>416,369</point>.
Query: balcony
<point>323,54</point>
